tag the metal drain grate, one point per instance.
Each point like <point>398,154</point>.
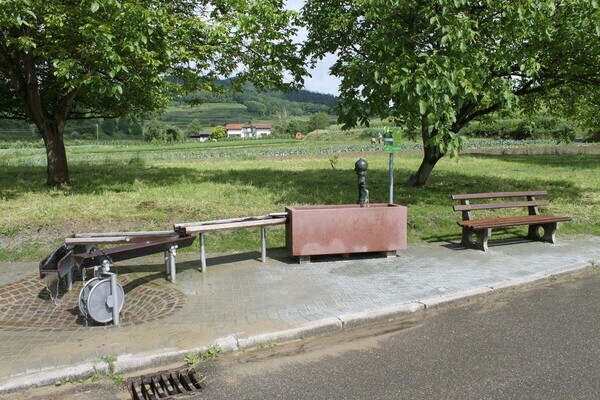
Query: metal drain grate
<point>165,384</point>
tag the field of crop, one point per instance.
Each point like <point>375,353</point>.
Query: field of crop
<point>145,187</point>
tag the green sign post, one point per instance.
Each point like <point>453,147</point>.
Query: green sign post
<point>391,144</point>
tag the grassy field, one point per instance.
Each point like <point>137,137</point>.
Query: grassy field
<point>131,188</point>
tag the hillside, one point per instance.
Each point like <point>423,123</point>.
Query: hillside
<point>209,108</point>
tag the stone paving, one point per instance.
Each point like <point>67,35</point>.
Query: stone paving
<point>240,296</point>
<point>29,304</point>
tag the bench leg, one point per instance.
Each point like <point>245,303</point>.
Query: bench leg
<point>482,238</point>
<point>467,233</point>
<point>263,244</point>
<point>202,254</point>
<point>549,232</point>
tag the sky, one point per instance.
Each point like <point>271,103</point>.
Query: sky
<point>320,81</point>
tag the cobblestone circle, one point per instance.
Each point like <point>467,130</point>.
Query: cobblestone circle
<point>30,305</point>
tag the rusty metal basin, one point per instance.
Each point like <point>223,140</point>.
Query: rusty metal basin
<point>345,229</point>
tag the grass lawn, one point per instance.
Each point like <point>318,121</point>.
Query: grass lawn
<point>150,188</point>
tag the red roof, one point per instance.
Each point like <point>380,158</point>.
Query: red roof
<point>234,126</point>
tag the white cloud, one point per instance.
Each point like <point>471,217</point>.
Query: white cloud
<point>321,81</point>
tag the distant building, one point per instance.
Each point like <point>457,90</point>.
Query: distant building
<point>201,136</point>
<point>248,130</point>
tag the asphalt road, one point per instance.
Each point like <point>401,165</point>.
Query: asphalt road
<point>535,343</point>
<point>540,342</point>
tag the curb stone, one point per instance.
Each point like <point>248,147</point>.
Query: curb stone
<point>466,295</point>
<point>379,315</point>
<point>314,328</point>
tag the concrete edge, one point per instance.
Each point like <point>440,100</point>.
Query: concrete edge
<point>48,377</point>
<point>385,314</point>
<point>452,298</point>
<point>542,276</point>
<point>308,329</point>
<point>132,362</point>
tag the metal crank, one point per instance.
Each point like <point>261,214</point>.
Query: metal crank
<point>102,297</point>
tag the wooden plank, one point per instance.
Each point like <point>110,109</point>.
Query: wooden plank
<point>97,240</point>
<point>493,206</point>
<point>202,228</point>
<point>512,221</point>
<point>497,195</point>
<point>230,220</point>
<point>109,234</point>
<point>123,237</point>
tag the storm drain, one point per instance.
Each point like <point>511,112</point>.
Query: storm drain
<point>165,384</point>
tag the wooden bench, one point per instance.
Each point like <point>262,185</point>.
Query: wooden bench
<point>482,228</point>
<point>201,228</point>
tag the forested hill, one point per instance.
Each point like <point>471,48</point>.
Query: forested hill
<point>210,109</point>
<point>266,103</point>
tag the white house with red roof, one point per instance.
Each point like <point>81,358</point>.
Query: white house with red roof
<point>248,130</point>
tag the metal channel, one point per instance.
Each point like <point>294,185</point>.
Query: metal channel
<point>166,384</point>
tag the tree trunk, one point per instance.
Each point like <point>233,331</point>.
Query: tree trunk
<point>430,159</point>
<point>57,169</point>
<point>431,155</point>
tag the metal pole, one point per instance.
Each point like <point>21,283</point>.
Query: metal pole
<point>391,198</point>
<point>202,254</point>
<point>263,244</point>
<point>172,265</point>
<point>115,302</point>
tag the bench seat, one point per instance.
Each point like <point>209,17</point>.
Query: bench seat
<point>504,222</point>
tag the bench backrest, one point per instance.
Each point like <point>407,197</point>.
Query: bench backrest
<point>531,203</point>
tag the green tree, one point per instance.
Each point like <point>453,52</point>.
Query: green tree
<point>318,120</point>
<point>437,65</point>
<point>61,60</point>
<point>256,107</point>
<point>154,132</point>
<point>110,126</point>
<point>219,132</point>
<point>173,134</point>
<point>136,129</point>
<point>193,128</point>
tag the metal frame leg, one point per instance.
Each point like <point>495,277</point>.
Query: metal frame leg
<point>69,278</point>
<point>263,241</point>
<point>202,254</point>
<point>167,269</point>
<point>171,263</point>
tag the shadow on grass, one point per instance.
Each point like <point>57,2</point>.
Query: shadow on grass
<point>572,161</point>
<point>314,186</point>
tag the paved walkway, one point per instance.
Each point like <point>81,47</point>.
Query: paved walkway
<point>240,302</point>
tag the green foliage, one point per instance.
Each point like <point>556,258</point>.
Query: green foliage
<point>256,107</point>
<point>319,120</point>
<point>219,132</point>
<point>193,128</point>
<point>173,134</point>
<point>193,359</point>
<point>110,126</point>
<point>433,67</point>
<point>115,58</point>
<point>521,129</point>
<point>154,132</point>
